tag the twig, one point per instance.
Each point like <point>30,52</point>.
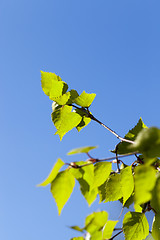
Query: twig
<point>115,235</point>
<point>110,130</point>
<point>94,160</point>
<point>86,111</point>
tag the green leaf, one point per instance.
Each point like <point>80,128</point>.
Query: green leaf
<point>85,99</point>
<point>85,177</point>
<point>127,183</point>
<point>85,120</point>
<point>53,173</point>
<point>137,207</point>
<point>81,150</point>
<point>123,147</point>
<point>96,221</point>
<point>156,227</point>
<point>145,178</point>
<point>62,187</point>
<point>128,202</point>
<point>135,226</point>
<point>77,228</point>
<point>113,188</point>
<point>108,229</point>
<point>101,173</point>
<point>117,186</point>
<point>148,142</point>
<point>155,201</point>
<point>96,235</point>
<point>66,98</point>
<point>52,85</point>
<point>64,120</point>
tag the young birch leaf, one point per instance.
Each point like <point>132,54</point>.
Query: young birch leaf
<point>145,178</point>
<point>113,188</point>
<point>95,221</point>
<point>64,120</point>
<point>135,226</point>
<point>123,147</point>
<point>62,187</point>
<point>156,227</point>
<point>77,228</point>
<point>127,183</point>
<point>53,173</point>
<point>96,235</point>
<point>85,177</point>
<point>137,207</point>
<point>85,120</point>
<point>108,229</point>
<point>52,85</point>
<point>85,99</point>
<point>155,201</point>
<point>148,142</point>
<point>66,98</point>
<point>101,173</point>
<point>81,150</point>
<point>102,192</point>
<point>90,195</point>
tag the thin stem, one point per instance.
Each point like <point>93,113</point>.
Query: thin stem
<point>94,160</point>
<point>110,130</point>
<point>117,229</point>
<point>102,124</point>
<point>115,235</point>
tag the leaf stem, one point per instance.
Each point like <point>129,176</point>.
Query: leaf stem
<point>115,235</point>
<point>102,124</point>
<point>95,160</point>
<point>110,130</point>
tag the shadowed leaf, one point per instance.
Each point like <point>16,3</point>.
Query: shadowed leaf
<point>64,120</point>
<point>135,226</point>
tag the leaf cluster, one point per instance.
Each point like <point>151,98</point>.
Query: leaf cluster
<point>137,184</point>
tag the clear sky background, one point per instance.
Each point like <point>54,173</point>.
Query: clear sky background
<point>111,48</point>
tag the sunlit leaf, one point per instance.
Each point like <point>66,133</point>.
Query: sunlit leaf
<point>85,99</point>
<point>62,187</point>
<point>52,85</point>
<point>53,173</point>
<point>108,229</point>
<point>135,226</point>
<point>66,98</point>
<point>123,147</point>
<point>113,188</point>
<point>145,178</point>
<point>64,120</point>
<point>96,221</point>
<point>127,183</point>
<point>96,235</point>
<point>81,150</point>
<point>137,207</point>
<point>101,173</point>
<point>156,227</point>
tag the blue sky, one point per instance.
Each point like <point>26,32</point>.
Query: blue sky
<point>111,48</point>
